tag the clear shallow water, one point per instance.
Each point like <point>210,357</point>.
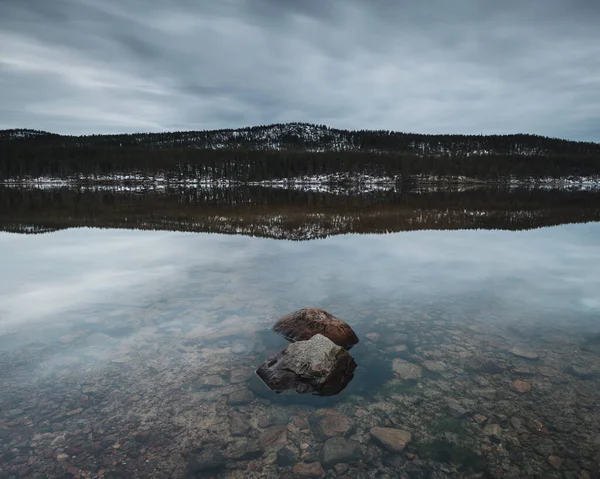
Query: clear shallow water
<point>123,351</point>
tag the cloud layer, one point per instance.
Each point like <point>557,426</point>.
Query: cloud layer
<point>83,66</point>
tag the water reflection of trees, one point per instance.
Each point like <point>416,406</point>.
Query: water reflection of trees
<point>289,214</point>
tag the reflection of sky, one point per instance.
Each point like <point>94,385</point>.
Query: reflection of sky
<point>46,276</point>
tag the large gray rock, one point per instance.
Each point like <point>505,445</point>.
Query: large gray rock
<point>305,323</point>
<point>317,365</point>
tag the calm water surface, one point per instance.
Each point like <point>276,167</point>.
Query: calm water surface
<point>132,354</point>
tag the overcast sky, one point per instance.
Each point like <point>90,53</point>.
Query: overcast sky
<point>436,66</point>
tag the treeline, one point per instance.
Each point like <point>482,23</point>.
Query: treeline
<point>292,215</point>
<point>304,136</point>
<point>251,165</point>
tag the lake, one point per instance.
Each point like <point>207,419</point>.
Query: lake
<point>130,333</point>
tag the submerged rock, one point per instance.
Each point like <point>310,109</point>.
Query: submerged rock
<point>555,462</point>
<point>406,370</point>
<point>287,456</point>
<point>207,460</point>
<point>273,436</point>
<point>484,365</point>
<point>437,367</point>
<point>582,372</point>
<point>492,430</point>
<point>245,450</point>
<point>317,365</point>
<point>523,353</point>
<point>373,336</point>
<point>394,440</point>
<point>239,424</point>
<point>520,387</point>
<point>241,396</point>
<point>326,423</point>
<point>305,323</point>
<point>524,370</point>
<point>339,450</point>
<point>308,469</point>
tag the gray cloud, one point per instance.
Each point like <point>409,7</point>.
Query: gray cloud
<point>82,66</point>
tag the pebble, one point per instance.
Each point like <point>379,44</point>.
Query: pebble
<point>241,396</point>
<point>406,370</point>
<point>212,381</point>
<point>59,441</point>
<point>272,436</point>
<point>492,430</point>
<point>479,418</point>
<point>205,460</point>
<point>483,382</point>
<point>245,451</point>
<point>311,469</point>
<point>239,424</point>
<point>435,366</point>
<point>264,421</point>
<point>487,393</point>
<point>455,409</point>
<point>13,413</point>
<point>339,450</point>
<point>486,366</point>
<point>555,462</point>
<point>582,372</point>
<point>520,387</point>
<point>516,423</point>
<point>239,375</point>
<point>523,353</point>
<point>392,439</point>
<point>372,336</point>
<point>239,348</point>
<point>142,436</point>
<point>398,348</point>
<point>326,423</point>
<point>524,370</point>
<point>287,456</point>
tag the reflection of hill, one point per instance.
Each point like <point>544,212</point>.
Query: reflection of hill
<point>294,215</point>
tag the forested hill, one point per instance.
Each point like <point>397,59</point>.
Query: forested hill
<point>314,138</point>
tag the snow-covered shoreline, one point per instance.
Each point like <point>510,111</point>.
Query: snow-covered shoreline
<point>333,183</point>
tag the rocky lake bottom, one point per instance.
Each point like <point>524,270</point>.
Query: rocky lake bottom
<point>161,384</point>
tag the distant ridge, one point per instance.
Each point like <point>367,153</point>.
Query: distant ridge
<point>316,138</point>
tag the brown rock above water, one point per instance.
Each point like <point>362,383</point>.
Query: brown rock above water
<point>305,323</point>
